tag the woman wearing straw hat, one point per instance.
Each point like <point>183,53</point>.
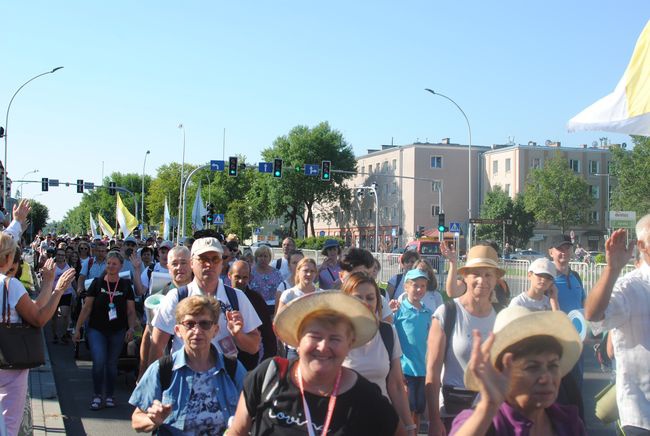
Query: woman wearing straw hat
<point>449,343</point>
<point>315,394</point>
<point>518,370</point>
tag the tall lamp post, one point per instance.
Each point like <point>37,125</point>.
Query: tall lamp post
<point>142,196</point>
<point>22,183</point>
<point>181,206</point>
<point>4,174</point>
<point>469,167</point>
<point>373,189</point>
<point>608,205</point>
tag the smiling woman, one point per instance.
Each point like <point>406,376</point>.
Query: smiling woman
<point>315,394</point>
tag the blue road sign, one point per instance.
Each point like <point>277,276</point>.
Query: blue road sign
<point>265,167</point>
<point>312,170</point>
<point>322,233</point>
<point>258,230</point>
<point>454,227</point>
<point>216,165</point>
<point>54,182</point>
<point>217,219</point>
<point>89,185</point>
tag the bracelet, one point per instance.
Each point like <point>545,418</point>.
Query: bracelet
<point>410,427</point>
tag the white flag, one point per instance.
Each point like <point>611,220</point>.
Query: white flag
<point>93,227</point>
<point>166,222</point>
<point>198,211</point>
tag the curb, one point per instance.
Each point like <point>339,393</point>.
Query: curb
<point>46,410</point>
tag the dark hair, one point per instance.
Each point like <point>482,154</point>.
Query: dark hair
<point>353,257</point>
<point>530,346</point>
<point>145,249</point>
<point>357,279</point>
<point>408,254</point>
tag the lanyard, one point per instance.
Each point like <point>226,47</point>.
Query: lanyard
<point>110,293</point>
<point>330,406</point>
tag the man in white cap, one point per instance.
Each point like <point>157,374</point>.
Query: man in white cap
<point>237,328</point>
<point>623,307</point>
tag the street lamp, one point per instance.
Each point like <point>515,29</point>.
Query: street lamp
<point>373,189</point>
<point>469,169</point>
<point>142,196</point>
<point>181,206</point>
<point>22,183</point>
<point>608,206</point>
<point>4,174</point>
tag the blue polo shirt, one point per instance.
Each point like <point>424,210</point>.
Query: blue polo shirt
<point>412,327</point>
<point>571,294</point>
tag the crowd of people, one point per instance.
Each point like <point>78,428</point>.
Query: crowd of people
<point>239,342</point>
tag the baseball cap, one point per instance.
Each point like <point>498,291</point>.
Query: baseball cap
<point>205,245</point>
<point>562,240</point>
<point>166,244</point>
<point>543,266</point>
<point>130,239</point>
<point>415,274</point>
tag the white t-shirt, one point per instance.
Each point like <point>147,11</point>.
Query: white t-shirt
<point>165,318</point>
<point>284,267</point>
<point>529,303</point>
<point>431,300</point>
<point>399,288</point>
<point>453,368</point>
<point>144,277</point>
<point>16,291</point>
<point>371,360</point>
<point>284,286</point>
<point>292,293</point>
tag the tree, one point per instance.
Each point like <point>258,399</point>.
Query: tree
<point>557,195</point>
<point>37,218</point>
<point>629,177</point>
<point>295,193</point>
<point>499,205</point>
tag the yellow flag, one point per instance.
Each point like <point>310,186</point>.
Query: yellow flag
<point>126,221</point>
<point>106,229</point>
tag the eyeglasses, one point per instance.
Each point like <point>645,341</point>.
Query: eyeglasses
<point>204,324</point>
<point>211,260</point>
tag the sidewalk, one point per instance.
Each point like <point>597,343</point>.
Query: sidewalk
<point>46,411</point>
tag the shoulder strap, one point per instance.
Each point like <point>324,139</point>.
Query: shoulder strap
<point>400,276</point>
<point>277,369</point>
<point>278,264</point>
<point>165,364</point>
<point>182,293</point>
<point>386,332</point>
<point>232,297</point>
<point>450,322</point>
<point>6,309</point>
<point>150,270</point>
<point>577,276</point>
<point>231,368</point>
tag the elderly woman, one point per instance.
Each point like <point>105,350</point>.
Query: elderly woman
<point>518,371</point>
<point>111,308</point>
<point>189,392</point>
<point>316,394</point>
<point>264,278</point>
<point>21,308</point>
<point>379,359</point>
<point>449,344</point>
<point>328,272</point>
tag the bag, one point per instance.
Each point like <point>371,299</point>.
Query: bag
<point>21,345</point>
<point>606,407</point>
<point>457,399</point>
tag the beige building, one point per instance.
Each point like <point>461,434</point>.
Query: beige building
<point>413,183</point>
<point>508,166</point>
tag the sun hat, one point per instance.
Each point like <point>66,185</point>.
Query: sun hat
<point>287,321</point>
<point>416,273</point>
<point>561,240</point>
<point>543,266</point>
<point>482,256</point>
<point>205,245</point>
<point>516,323</point>
<point>330,243</point>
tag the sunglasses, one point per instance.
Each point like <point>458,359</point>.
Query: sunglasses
<point>204,324</point>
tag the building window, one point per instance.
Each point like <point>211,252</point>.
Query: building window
<point>507,190</point>
<point>394,212</point>
<point>377,167</point>
<point>386,216</point>
<point>594,217</point>
<point>536,163</point>
<point>495,167</point>
<point>594,167</point>
<point>435,210</point>
<point>436,185</point>
<point>574,164</point>
<point>394,187</point>
<point>594,191</point>
<point>363,169</point>
<point>369,169</point>
<point>394,164</point>
<point>384,166</point>
<point>508,165</point>
<point>436,161</point>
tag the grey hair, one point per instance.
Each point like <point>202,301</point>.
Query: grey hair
<point>117,255</point>
<point>179,250</point>
<point>643,228</point>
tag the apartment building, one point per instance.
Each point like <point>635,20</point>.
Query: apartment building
<point>414,183</point>
<point>508,166</point>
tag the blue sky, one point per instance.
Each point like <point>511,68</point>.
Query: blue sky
<point>135,70</point>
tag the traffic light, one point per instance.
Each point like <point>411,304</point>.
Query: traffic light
<point>441,223</point>
<point>232,166</point>
<point>277,168</point>
<point>298,169</point>
<point>210,216</point>
<point>111,187</point>
<point>326,166</point>
<point>45,184</point>
<point>80,186</point>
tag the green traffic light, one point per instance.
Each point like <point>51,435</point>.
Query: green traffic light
<point>277,174</point>
<point>441,229</point>
<point>298,169</point>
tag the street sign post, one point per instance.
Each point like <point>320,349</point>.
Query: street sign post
<point>485,221</point>
<point>622,219</point>
<point>312,170</point>
<point>216,165</point>
<point>265,167</point>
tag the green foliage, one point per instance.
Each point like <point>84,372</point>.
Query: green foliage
<point>316,242</point>
<point>557,195</point>
<point>600,258</point>
<point>499,205</point>
<point>37,218</point>
<point>296,194</point>
<point>629,177</point>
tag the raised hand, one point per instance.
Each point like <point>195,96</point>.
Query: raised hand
<point>65,280</point>
<point>158,412</point>
<point>235,322</point>
<point>493,384</point>
<point>617,249</point>
<point>47,272</point>
<point>448,252</point>
<point>136,261</point>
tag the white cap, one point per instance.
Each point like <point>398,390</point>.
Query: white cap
<point>543,266</point>
<point>204,245</point>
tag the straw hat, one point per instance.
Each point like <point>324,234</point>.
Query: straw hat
<point>516,323</point>
<point>289,319</point>
<point>482,256</point>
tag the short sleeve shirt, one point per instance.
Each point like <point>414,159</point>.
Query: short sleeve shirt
<point>529,303</point>
<point>412,325</point>
<point>399,287</point>
<point>571,294</point>
<point>102,292</point>
<point>16,292</point>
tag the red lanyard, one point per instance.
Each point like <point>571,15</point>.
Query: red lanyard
<point>330,406</point>
<point>110,293</point>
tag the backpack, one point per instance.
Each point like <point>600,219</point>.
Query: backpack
<point>400,276</point>
<point>275,373</point>
<point>386,332</point>
<point>577,276</point>
<point>450,322</point>
<point>278,264</point>
<point>165,370</point>
<point>230,293</point>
